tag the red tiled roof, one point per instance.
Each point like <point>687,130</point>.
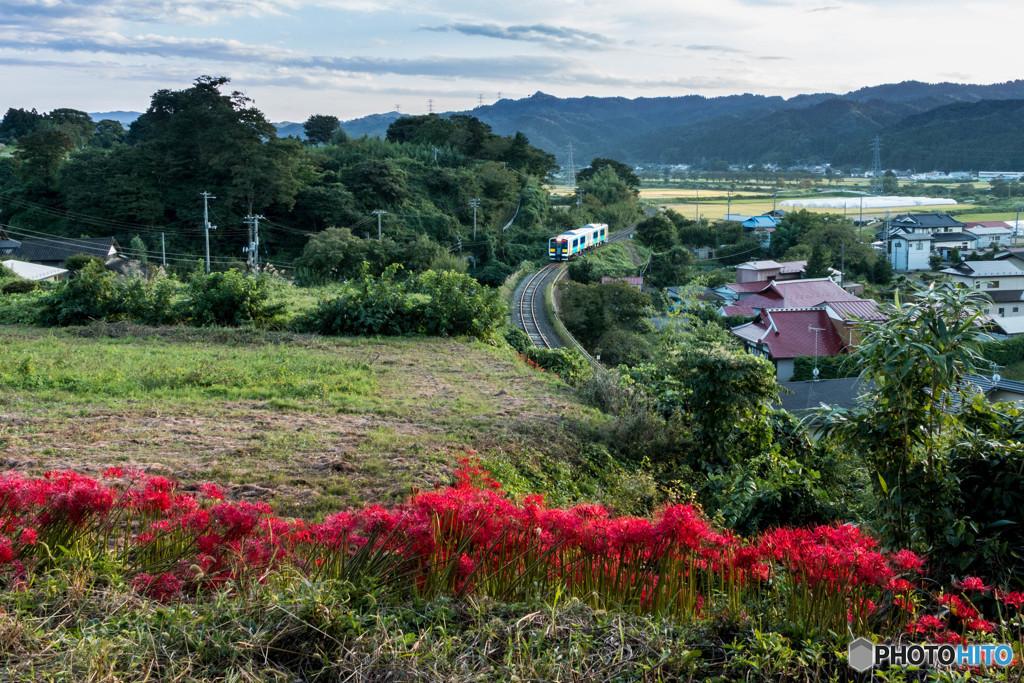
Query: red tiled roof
<point>738,310</point>
<point>864,309</point>
<point>767,299</point>
<point>748,287</point>
<point>807,293</point>
<point>792,266</point>
<point>987,224</point>
<point>789,333</point>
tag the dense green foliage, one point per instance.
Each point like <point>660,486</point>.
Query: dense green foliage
<point>434,303</point>
<point>72,177</point>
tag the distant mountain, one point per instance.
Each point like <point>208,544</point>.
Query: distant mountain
<point>125,118</point>
<point>812,128</point>
<point>924,126</point>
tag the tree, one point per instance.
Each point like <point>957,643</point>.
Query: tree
<point>78,125</point>
<point>657,232</point>
<point>819,263</point>
<point>41,154</point>
<point>18,122</point>
<point>108,133</point>
<point>320,128</point>
<point>621,170</point>
<point>915,361</point>
<point>890,184</point>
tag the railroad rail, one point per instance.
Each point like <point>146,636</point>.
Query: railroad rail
<point>533,312</point>
<point>531,305</point>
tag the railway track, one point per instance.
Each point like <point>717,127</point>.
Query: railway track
<point>533,312</point>
<point>532,315</point>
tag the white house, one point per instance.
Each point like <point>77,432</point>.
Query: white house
<point>910,251</point>
<point>34,271</point>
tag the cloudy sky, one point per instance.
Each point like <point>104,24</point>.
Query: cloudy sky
<point>351,58</point>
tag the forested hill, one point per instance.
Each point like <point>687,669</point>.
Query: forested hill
<point>812,128</point>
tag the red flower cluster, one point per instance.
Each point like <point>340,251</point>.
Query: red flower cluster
<point>470,537</point>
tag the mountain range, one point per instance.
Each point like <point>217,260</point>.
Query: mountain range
<point>921,126</point>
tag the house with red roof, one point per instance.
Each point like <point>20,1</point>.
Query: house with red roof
<point>800,318</point>
<point>782,335</point>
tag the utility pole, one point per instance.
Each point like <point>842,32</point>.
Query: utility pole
<point>728,205</point>
<point>842,265</point>
<point>378,213</point>
<point>254,240</point>
<point>163,251</point>
<point>206,225</point>
<point>579,200</point>
<point>697,216</point>
<point>475,203</point>
<point>572,169</point>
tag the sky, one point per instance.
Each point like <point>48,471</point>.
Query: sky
<point>352,58</point>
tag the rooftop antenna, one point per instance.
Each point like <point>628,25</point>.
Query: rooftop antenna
<point>815,330</point>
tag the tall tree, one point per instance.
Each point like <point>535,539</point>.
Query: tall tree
<point>320,128</point>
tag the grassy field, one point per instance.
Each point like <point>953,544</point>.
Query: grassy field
<point>307,424</point>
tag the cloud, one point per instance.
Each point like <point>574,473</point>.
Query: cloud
<point>31,12</point>
<point>825,9</point>
<point>554,36</point>
<point>715,48</point>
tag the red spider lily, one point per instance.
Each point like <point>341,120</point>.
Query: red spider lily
<point>972,583</point>
<point>1014,599</point>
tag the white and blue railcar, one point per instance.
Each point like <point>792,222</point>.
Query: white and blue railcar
<point>569,244</point>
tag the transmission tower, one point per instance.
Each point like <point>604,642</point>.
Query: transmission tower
<point>572,169</point>
<point>876,167</point>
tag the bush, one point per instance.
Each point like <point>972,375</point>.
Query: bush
<point>18,287</point>
<point>77,262</point>
<point>95,293</point>
<point>568,364</point>
<point>230,298</point>
<point>828,368</point>
<point>434,303</point>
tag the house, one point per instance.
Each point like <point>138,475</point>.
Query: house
<point>1002,283</point>
<point>7,245</point>
<point>782,335</point>
<point>766,270</point>
<point>945,243</point>
<point>784,293</point>
<point>827,312</point>
<point>1003,274</point>
<point>910,251</point>
<point>35,272</point>
<point>923,224</point>
<point>53,251</point>
<point>637,282</point>
<point>763,222</point>
<point>989,234</point>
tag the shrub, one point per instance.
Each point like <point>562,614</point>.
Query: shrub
<point>230,298</point>
<point>435,303</point>
<point>77,262</point>
<point>18,287</point>
<point>95,293</point>
<point>568,364</point>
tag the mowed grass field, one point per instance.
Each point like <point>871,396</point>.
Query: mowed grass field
<point>308,424</point>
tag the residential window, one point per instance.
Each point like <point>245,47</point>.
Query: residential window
<point>992,284</point>
<point>1002,312</point>
<point>920,246</point>
<point>1014,309</point>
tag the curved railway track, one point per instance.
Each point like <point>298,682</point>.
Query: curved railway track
<point>532,311</point>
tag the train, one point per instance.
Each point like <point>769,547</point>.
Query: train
<point>569,244</point>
